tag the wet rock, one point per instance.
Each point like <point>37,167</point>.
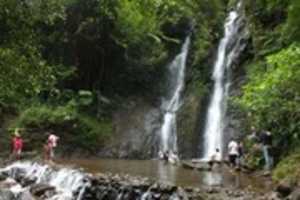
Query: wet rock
<point>27,181</point>
<point>272,196</point>
<point>41,189</point>
<point>181,193</point>
<point>3,176</point>
<point>295,195</point>
<point>6,194</point>
<point>9,182</point>
<point>212,190</point>
<point>284,189</point>
<point>26,195</point>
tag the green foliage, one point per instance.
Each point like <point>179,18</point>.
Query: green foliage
<point>75,127</point>
<point>292,30</point>
<point>288,168</point>
<point>23,76</point>
<point>271,98</point>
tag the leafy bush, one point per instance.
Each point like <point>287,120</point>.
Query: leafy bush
<point>75,129</point>
<point>271,97</point>
<point>288,168</point>
<point>23,77</point>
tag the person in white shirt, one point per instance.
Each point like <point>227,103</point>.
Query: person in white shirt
<point>215,158</point>
<point>52,144</point>
<point>233,152</point>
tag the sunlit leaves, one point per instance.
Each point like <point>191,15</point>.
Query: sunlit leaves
<point>272,97</point>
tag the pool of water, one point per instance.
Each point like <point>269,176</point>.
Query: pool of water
<point>169,174</point>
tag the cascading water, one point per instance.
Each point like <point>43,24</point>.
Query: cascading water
<point>66,181</point>
<point>27,180</point>
<point>172,102</point>
<point>229,48</point>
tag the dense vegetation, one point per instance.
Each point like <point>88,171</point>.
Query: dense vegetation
<point>270,98</point>
<point>67,65</point>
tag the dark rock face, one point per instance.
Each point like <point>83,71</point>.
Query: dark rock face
<point>135,134</point>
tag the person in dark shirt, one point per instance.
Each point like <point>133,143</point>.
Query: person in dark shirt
<point>267,142</point>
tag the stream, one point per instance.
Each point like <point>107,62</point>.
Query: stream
<point>108,179</point>
<point>162,172</point>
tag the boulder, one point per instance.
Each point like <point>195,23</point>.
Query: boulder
<point>295,195</point>
<point>26,195</point>
<point>284,188</point>
<point>41,189</point>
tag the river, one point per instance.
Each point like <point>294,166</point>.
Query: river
<point>170,174</point>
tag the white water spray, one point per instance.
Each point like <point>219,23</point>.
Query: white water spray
<point>66,181</point>
<point>172,102</point>
<point>228,50</point>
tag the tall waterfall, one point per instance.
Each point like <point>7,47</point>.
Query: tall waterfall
<point>228,51</point>
<point>172,101</point>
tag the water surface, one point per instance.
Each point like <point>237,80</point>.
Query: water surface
<point>169,174</point>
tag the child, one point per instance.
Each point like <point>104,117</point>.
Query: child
<point>17,145</point>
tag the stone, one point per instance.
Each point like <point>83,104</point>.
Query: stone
<point>6,194</point>
<point>40,189</point>
<point>284,189</point>
<point>3,176</point>
<point>26,195</point>
<point>295,195</point>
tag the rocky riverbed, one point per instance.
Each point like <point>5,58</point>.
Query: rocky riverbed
<point>36,181</point>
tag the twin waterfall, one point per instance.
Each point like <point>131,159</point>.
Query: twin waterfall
<point>172,101</point>
<point>229,49</point>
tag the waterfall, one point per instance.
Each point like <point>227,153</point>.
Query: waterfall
<point>228,51</point>
<point>172,101</point>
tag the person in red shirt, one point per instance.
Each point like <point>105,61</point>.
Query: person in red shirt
<point>17,145</point>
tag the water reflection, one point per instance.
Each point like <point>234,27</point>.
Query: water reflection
<point>212,178</point>
<point>166,173</point>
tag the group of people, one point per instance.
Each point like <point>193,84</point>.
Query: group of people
<point>49,146</point>
<point>169,156</point>
<point>236,150</point>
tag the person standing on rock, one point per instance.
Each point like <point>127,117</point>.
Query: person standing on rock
<point>17,145</point>
<point>52,144</point>
<point>233,152</point>
<point>267,142</point>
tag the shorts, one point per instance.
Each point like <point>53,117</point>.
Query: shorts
<point>232,159</point>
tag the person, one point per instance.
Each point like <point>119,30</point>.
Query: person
<point>240,154</point>
<point>46,152</point>
<point>233,152</point>
<point>215,158</point>
<point>160,155</point>
<point>253,136</point>
<point>173,157</point>
<point>17,145</point>
<point>52,144</point>
<point>166,156</point>
<point>267,142</point>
